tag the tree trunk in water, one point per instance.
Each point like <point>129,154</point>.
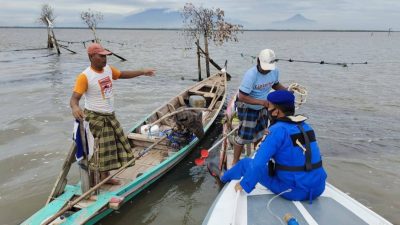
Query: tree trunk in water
<point>49,41</point>
<point>198,59</point>
<point>55,42</point>
<point>96,40</point>
<point>207,57</point>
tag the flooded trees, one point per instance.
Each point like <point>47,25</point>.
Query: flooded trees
<point>92,19</point>
<point>208,24</point>
<point>47,18</point>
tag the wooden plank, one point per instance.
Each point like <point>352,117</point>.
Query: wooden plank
<point>175,102</point>
<point>143,137</point>
<point>181,101</point>
<point>84,203</point>
<point>158,147</point>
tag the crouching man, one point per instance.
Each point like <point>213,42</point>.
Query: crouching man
<point>288,161</point>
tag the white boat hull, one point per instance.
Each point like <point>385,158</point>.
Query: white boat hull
<point>332,207</point>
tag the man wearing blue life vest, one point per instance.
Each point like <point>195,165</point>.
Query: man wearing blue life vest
<point>288,159</point>
<point>251,101</point>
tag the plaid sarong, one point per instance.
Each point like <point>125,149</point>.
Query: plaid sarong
<point>252,124</point>
<point>114,149</point>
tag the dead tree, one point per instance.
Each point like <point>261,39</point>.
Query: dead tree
<point>47,18</point>
<point>92,19</point>
<point>208,24</point>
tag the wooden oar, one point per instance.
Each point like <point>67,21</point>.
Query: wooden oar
<point>84,195</point>
<point>62,177</point>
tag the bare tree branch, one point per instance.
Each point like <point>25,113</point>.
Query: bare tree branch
<point>209,24</point>
<point>47,12</point>
<point>92,19</point>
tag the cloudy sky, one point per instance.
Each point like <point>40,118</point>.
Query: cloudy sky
<point>258,14</point>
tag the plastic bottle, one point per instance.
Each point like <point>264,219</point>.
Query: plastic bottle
<point>290,220</point>
<point>153,131</point>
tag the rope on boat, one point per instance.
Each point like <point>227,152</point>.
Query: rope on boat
<point>300,92</point>
<point>269,205</point>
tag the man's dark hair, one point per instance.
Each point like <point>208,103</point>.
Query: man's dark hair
<point>288,110</point>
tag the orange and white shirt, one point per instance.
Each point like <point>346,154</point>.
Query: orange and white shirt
<point>96,86</point>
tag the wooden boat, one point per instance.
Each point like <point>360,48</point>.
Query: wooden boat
<point>158,158</point>
<point>261,206</point>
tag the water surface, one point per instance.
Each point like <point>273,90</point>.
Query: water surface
<point>354,111</point>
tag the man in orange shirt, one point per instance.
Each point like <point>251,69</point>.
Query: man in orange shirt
<point>95,84</point>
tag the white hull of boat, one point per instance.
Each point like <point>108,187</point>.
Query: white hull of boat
<point>332,207</point>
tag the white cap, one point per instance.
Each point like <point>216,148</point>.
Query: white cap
<point>267,59</point>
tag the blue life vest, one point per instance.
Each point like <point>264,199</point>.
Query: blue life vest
<point>302,139</point>
<point>298,161</point>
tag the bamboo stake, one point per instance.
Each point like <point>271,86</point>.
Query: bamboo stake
<point>214,63</point>
<point>118,56</point>
<point>198,59</point>
<point>65,47</point>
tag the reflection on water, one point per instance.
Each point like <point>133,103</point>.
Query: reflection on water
<point>354,110</point>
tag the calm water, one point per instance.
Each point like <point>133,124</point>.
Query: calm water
<point>354,110</point>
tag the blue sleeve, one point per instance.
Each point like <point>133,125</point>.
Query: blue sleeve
<point>247,84</point>
<point>267,149</point>
<point>276,76</point>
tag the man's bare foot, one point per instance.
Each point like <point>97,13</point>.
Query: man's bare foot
<point>113,181</point>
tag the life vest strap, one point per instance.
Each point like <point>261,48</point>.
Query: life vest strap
<point>298,168</point>
<point>308,148</point>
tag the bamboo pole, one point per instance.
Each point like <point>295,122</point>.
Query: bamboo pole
<point>207,55</point>
<point>198,59</point>
<point>213,62</point>
<point>118,56</point>
<point>62,177</point>
<point>65,47</point>
<point>84,163</point>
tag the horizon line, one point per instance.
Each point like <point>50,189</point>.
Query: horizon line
<point>150,28</point>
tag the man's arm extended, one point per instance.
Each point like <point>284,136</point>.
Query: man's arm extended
<point>135,73</point>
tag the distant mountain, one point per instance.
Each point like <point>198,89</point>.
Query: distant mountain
<point>297,21</point>
<point>153,18</point>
